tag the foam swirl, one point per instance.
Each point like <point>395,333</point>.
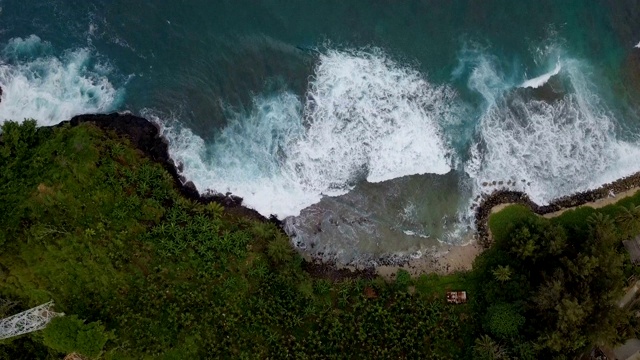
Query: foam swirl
<point>365,117</point>
<point>51,89</point>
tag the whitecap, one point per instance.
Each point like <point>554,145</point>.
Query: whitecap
<point>51,89</point>
<point>542,79</point>
<point>549,149</point>
<point>367,110</point>
<point>365,117</point>
<point>29,47</point>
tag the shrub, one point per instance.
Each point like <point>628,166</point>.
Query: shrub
<point>109,238</point>
<point>279,250</point>
<point>403,279</point>
<point>504,320</point>
<point>69,334</point>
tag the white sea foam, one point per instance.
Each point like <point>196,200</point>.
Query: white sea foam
<point>413,233</point>
<point>248,157</point>
<point>369,111</point>
<point>364,117</point>
<point>30,47</point>
<point>557,148</point>
<point>542,79</point>
<point>51,89</point>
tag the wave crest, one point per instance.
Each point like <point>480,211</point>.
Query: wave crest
<point>548,149</point>
<point>365,117</point>
<point>52,89</point>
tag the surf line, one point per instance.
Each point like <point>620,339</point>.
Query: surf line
<point>542,79</point>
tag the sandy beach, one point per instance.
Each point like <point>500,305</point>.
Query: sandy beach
<point>598,203</point>
<point>444,261</point>
<point>455,258</point>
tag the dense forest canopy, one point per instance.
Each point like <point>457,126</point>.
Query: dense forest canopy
<point>551,287</point>
<point>90,222</point>
<point>95,226</point>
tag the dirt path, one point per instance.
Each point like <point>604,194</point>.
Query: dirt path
<point>594,204</point>
<point>599,203</point>
<point>631,294</point>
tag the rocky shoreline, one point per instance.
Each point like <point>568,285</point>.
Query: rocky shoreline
<point>506,196</point>
<point>145,135</point>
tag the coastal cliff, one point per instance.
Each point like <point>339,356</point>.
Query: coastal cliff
<point>145,136</point>
<point>103,231</point>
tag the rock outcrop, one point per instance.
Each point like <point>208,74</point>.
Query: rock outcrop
<point>146,136</point>
<point>515,197</point>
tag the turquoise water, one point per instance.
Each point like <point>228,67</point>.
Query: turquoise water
<point>371,127</point>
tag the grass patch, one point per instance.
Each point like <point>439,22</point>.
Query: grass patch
<point>437,285</point>
<point>576,218</point>
<point>573,220</point>
<point>501,223</point>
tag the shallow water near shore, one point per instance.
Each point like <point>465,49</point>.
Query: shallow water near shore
<point>371,129</point>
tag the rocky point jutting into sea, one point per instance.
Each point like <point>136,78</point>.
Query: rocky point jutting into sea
<point>145,135</point>
<point>369,149</point>
<point>376,139</point>
<point>370,145</point>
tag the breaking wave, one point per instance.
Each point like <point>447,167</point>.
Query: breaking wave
<point>36,84</point>
<point>365,117</point>
<point>542,79</point>
<point>547,148</point>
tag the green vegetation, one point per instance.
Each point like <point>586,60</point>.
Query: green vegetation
<point>500,223</point>
<point>141,272</point>
<point>549,287</point>
<point>69,334</point>
<point>437,286</point>
<point>90,223</point>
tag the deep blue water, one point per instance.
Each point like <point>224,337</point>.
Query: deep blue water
<point>372,125</point>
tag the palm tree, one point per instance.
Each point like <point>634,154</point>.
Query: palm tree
<point>601,225</point>
<point>279,250</point>
<point>525,242</point>
<point>264,230</point>
<point>215,209</point>
<point>629,219</point>
<point>502,273</point>
<point>487,349</point>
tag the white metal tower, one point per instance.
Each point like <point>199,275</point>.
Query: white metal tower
<point>28,321</point>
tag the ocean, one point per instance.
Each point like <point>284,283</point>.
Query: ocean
<point>371,128</point>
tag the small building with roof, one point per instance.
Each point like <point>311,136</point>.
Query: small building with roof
<point>633,247</point>
<point>456,297</point>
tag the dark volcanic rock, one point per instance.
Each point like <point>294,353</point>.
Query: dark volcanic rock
<point>189,185</point>
<point>506,197</point>
<point>145,135</point>
<point>142,133</point>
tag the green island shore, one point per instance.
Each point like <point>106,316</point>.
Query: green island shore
<point>142,270</point>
